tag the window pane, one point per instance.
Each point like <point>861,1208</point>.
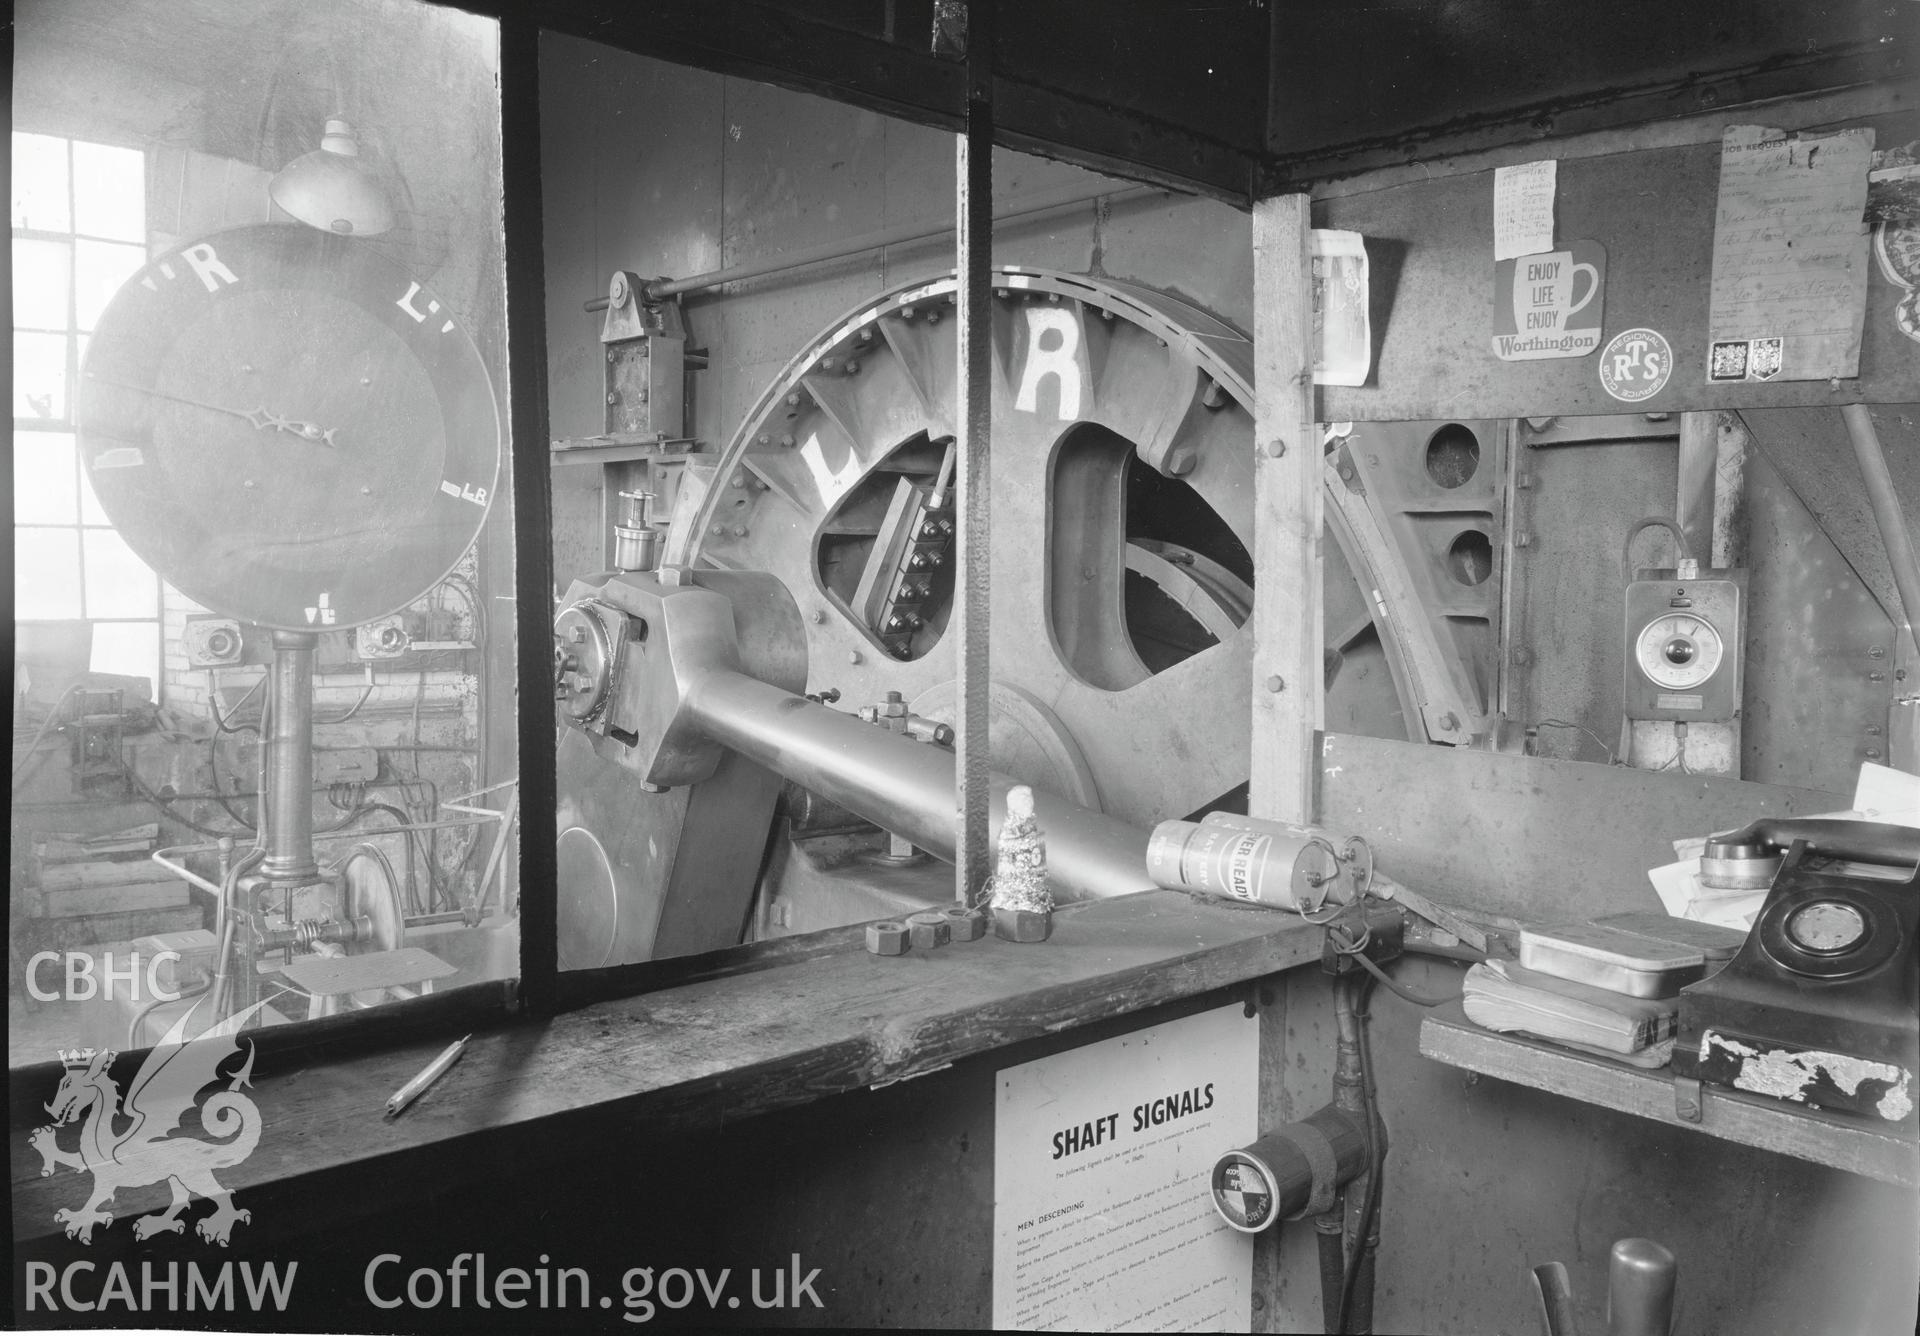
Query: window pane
<point>40,182</point>
<point>44,485</point>
<point>41,283</point>
<point>119,584</point>
<point>46,574</point>
<point>99,268</point>
<point>40,376</point>
<point>109,191</point>
<point>132,648</point>
<point>91,511</point>
<point>116,70</point>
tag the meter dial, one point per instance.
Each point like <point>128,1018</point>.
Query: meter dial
<point>1678,651</point>
<point>288,427</point>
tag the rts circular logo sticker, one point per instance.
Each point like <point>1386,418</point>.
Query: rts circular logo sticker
<point>1635,365</point>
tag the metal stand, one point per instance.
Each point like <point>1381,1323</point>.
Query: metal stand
<point>288,817</point>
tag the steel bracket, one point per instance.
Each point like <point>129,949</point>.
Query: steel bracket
<point>1689,1104</point>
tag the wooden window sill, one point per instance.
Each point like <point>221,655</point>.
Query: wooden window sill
<point>819,1022</point>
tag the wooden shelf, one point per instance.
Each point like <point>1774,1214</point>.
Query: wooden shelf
<point>1752,1120</point>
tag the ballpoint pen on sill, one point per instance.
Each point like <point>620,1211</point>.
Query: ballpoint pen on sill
<point>432,1072</point>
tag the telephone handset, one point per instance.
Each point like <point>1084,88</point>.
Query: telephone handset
<point>1830,837</point>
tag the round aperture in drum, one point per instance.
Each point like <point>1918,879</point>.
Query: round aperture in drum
<point>1453,455</point>
<point>1470,557</point>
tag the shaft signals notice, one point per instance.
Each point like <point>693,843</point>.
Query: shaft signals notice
<point>1103,1219</point>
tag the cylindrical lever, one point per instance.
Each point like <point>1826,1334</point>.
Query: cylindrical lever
<point>636,543</point>
<point>1640,1276</point>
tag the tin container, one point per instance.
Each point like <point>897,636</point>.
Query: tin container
<point>1718,944</point>
<point>1622,962</point>
<point>1244,858</point>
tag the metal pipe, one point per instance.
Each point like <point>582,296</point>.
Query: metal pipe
<point>904,786</point>
<point>182,871</point>
<point>1329,1227</point>
<point>478,908</point>
<point>289,817</point>
<point>1886,512</point>
<point>900,234</point>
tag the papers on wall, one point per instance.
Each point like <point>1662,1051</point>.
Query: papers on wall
<point>1103,1216</point>
<point>1523,209</point>
<point>1789,255</point>
<point>1342,330</point>
<point>1886,794</point>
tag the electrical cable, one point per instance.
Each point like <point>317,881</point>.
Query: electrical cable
<point>353,709</point>
<point>1358,990</point>
<point>1381,976</point>
<point>161,805</point>
<point>220,796</point>
<point>1653,522</point>
<point>227,725</point>
<point>1564,723</point>
<point>1376,1154</point>
<point>1401,990</point>
<point>165,808</point>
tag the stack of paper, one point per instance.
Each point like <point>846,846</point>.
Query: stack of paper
<point>1881,794</point>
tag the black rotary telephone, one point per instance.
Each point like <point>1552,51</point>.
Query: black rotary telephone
<point>1819,1007</point>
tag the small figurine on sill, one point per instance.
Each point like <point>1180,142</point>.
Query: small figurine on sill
<point>1021,902</point>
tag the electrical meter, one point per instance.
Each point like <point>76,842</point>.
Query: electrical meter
<point>1683,659</point>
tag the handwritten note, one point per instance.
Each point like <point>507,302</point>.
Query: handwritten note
<point>1789,255</point>
<point>1523,209</point>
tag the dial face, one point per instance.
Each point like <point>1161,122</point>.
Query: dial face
<point>288,427</point>
<point>1678,651</point>
<point>1826,926</point>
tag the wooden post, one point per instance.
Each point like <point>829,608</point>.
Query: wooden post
<point>1288,504</point>
<point>1287,634</point>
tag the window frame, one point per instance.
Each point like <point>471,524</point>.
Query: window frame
<point>74,338</point>
<point>530,995</point>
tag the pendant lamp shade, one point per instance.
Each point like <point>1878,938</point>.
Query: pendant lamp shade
<point>331,189</point>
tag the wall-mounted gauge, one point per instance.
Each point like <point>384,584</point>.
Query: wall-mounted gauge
<point>1678,651</point>
<point>1683,648</point>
